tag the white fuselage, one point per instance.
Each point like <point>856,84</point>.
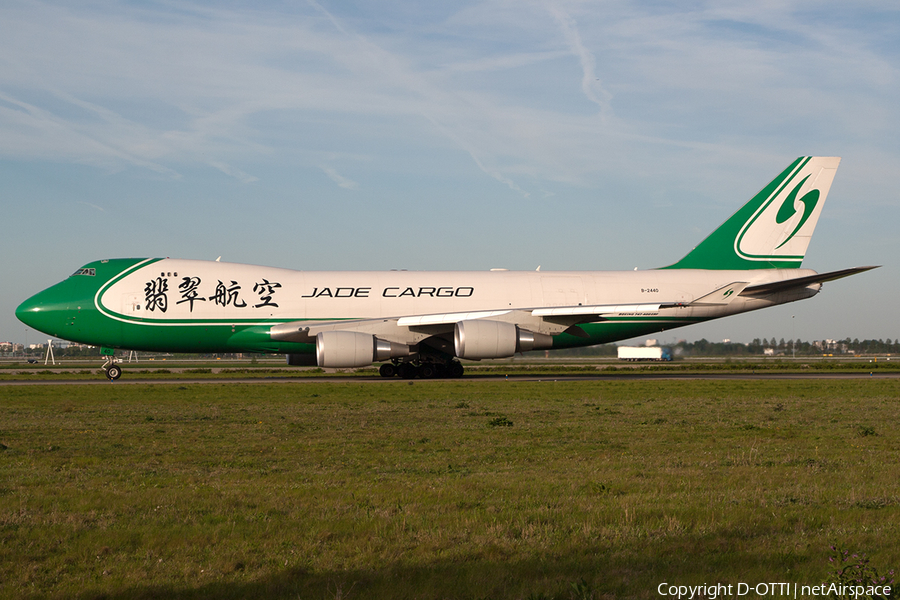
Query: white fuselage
<point>187,290</point>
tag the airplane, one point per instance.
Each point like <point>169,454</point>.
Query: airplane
<point>421,323</point>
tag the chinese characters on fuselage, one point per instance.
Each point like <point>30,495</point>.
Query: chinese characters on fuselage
<point>156,293</point>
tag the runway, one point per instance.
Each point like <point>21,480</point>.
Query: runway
<point>473,378</point>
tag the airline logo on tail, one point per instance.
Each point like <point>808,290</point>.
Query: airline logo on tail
<point>771,231</point>
<point>787,209</point>
<point>781,227</point>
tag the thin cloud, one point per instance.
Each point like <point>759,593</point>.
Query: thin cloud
<point>94,206</point>
<point>331,172</point>
<point>590,83</point>
<point>236,173</point>
<point>504,62</point>
<point>35,132</point>
<point>165,90</point>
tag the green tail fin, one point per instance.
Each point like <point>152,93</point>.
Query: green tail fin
<point>773,230</point>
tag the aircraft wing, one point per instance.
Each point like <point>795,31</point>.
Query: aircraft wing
<point>412,329</point>
<point>449,318</point>
<point>762,289</point>
<point>599,311</point>
<point>304,332</point>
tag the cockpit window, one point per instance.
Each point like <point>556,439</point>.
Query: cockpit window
<point>90,272</point>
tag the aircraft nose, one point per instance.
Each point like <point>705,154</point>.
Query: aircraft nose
<point>42,312</point>
<point>28,311</point>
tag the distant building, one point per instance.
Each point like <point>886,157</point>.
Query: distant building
<point>831,346</point>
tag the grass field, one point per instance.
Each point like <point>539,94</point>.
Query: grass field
<point>430,489</point>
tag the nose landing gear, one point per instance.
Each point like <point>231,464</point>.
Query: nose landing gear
<point>112,370</point>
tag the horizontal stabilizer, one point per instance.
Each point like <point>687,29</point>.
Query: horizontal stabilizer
<point>799,282</point>
<point>723,295</point>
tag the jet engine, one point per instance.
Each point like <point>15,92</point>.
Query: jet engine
<point>479,339</point>
<point>353,349</point>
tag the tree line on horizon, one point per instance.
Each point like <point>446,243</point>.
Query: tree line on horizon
<point>757,347</point>
<point>682,348</point>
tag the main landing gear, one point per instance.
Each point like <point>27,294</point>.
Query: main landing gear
<point>425,370</point>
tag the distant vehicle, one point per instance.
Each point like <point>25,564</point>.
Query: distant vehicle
<point>421,323</point>
<point>32,361</point>
<point>644,353</point>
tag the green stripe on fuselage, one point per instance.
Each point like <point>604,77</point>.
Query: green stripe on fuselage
<point>614,330</point>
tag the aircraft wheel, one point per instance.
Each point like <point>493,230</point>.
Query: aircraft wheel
<point>455,369</point>
<point>408,370</point>
<point>428,371</point>
<point>387,370</point>
<point>113,372</point>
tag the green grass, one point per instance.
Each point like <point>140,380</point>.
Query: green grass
<point>460,489</point>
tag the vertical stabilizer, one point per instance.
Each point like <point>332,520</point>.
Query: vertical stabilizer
<point>773,230</point>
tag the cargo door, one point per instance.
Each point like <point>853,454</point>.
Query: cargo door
<point>562,290</point>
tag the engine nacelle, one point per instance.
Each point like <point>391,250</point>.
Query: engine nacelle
<point>529,340</point>
<point>339,349</point>
<point>479,339</point>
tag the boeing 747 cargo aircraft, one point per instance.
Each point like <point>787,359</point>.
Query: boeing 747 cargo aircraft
<point>422,323</point>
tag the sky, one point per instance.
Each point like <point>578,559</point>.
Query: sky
<point>571,135</point>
